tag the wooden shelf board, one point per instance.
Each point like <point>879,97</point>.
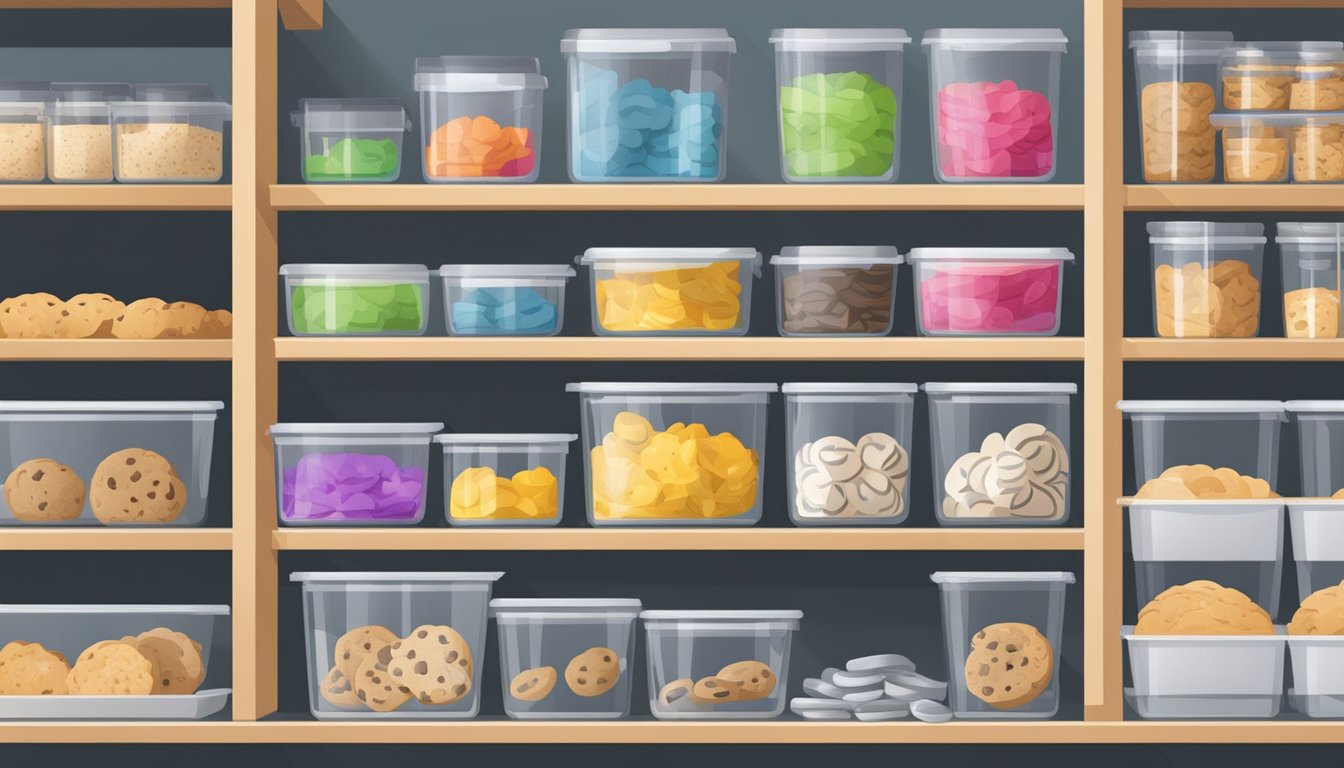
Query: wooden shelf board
<point>115,4</point>
<point>113,197</point>
<point>1267,4</point>
<point>162,539</point>
<point>1233,197</point>
<point>1233,349</point>
<point>115,349</point>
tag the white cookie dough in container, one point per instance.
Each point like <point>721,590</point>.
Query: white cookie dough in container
<point>1240,435</point>
<point>170,133</point>
<point>79,140</point>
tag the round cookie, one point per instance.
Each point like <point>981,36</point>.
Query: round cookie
<point>182,320</point>
<point>30,316</point>
<point>353,646</point>
<point>28,669</point>
<point>532,684</point>
<point>433,664</point>
<point>676,696</point>
<point>374,686</point>
<point>1203,608</point>
<point>338,690</point>
<point>178,668</point>
<point>142,319</point>
<point>1322,613</point>
<point>109,668</point>
<point>712,690</point>
<point>593,672</point>
<point>44,491</point>
<point>1009,665</point>
<point>755,680</point>
<point>135,485</point>
<point>88,316</point>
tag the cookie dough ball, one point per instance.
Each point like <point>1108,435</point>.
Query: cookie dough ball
<point>111,668</point>
<point>28,669</point>
<point>593,672</point>
<point>137,486</point>
<point>1009,665</point>
<point>44,491</point>
<point>30,316</point>
<point>88,316</point>
<point>1322,613</point>
<point>1203,608</point>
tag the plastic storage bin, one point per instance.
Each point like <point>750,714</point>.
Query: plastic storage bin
<point>1263,148</point>
<point>1283,75</point>
<point>480,118</point>
<point>989,291</point>
<point>1206,278</point>
<point>671,291</point>
<point>1240,434</point>
<point>974,603</point>
<point>350,140</point>
<point>1187,676</point>
<point>648,104</point>
<point>362,628</point>
<point>638,470</point>
<point>351,474</point>
<point>1177,80</point>
<point>994,108</point>
<point>1001,424</point>
<point>849,452</point>
<point>1318,675</point>
<point>356,299</point>
<point>79,141</point>
<point>839,91</point>
<point>566,659</point>
<point>23,131</point>
<point>836,290</point>
<point>1310,255</point>
<point>1320,433</point>
<point>514,479</point>
<point>504,299</point>
<point>1316,528</point>
<point>691,653</point>
<point>170,133</point>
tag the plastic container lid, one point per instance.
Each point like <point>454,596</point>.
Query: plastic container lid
<point>990,254</point>
<point>825,388</point>
<point>721,615</point>
<point>976,577</point>
<point>477,74</point>
<point>1201,406</point>
<point>407,272</point>
<point>471,440</point>
<point>998,387</point>
<point>595,255</point>
<point>208,610</point>
<point>342,576</point>
<point>1314,406</point>
<point>1282,52</point>
<point>173,92</point>
<point>1204,233</point>
<point>91,92</point>
<point>353,115</point>
<point>856,255</point>
<point>632,40</point>
<point>1275,120</point>
<point>675,387</point>
<point>990,39</point>
<point>110,406</point>
<point>554,271</point>
<point>176,110</point>
<point>385,428</point>
<point>25,91</point>
<point>804,39</point>
<point>549,604</point>
<point>1172,45</point>
<point>1309,232</point>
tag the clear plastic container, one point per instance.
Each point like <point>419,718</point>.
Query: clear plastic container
<point>1263,148</point>
<point>79,141</point>
<point>695,655</point>
<point>975,601</point>
<point>1318,146</point>
<point>989,291</point>
<point>356,299</point>
<point>836,290</point>
<point>1242,435</point>
<point>994,103</point>
<point>567,658</point>
<point>1206,278</point>
<point>480,118</point>
<point>1310,255</point>
<point>980,434</point>
<point>648,104</point>
<point>55,455</point>
<point>504,299</point>
<point>1318,675</point>
<point>1207,676</point>
<point>170,132</point>
<point>849,452</point>
<point>1176,77</point>
<point>1283,75</point>
<point>1316,529</point>
<point>23,131</point>
<point>671,291</point>
<point>503,480</point>
<point>350,140</point>
<point>69,630</point>
<point>839,91</point>
<point>638,470</point>
<point>1320,433</point>
<point>362,627</point>
<point>351,474</point>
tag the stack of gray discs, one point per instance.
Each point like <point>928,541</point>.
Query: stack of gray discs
<point>873,689</point>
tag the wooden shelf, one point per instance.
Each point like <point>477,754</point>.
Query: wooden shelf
<point>116,197</point>
<point>162,539</point>
<point>1233,349</point>
<point>1234,197</point>
<point>115,4</point>
<point>115,349</point>
<point>1234,3</point>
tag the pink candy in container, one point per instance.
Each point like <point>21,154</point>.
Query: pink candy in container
<point>988,291</point>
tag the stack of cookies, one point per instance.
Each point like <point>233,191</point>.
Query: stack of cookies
<point>873,689</point>
<point>1178,139</point>
<point>158,662</point>
<point>380,671</point>
<point>1218,301</point>
<point>99,316</point>
<point>133,485</point>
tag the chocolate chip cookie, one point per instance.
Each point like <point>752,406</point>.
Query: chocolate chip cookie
<point>533,684</point>
<point>434,664</point>
<point>28,669</point>
<point>135,485</point>
<point>44,491</point>
<point>593,672</point>
<point>1010,664</point>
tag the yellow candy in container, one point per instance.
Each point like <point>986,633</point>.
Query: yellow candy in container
<point>504,479</point>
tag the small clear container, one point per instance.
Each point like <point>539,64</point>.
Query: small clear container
<point>648,104</point>
<point>1242,435</point>
<point>79,141</point>
<point>1183,677</point>
<point>1310,255</point>
<point>1316,528</point>
<point>978,431</point>
<point>350,140</point>
<point>976,600</point>
<point>504,480</point>
<point>170,132</point>
<point>994,103</point>
<point>480,118</point>
<point>1206,278</point>
<point>638,469</point>
<point>1320,433</point>
<point>1318,675</point>
<point>839,91</point>
<point>1282,75</point>
<point>1257,148</point>
<point>690,651</point>
<point>1176,77</point>
<point>836,290</point>
<point>850,452</point>
<point>671,291</point>
<point>504,299</point>
<point>1320,79</point>
<point>23,131</point>
<point>356,299</point>
<point>351,474</point>
<point>1318,146</point>
<point>989,291</point>
<point>547,646</point>
<point>362,626</point>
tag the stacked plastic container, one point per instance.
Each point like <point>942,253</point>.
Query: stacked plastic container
<point>1178,86</point>
<point>1206,278</point>
<point>356,299</point>
<point>1310,253</point>
<point>989,291</point>
<point>170,132</point>
<point>350,140</point>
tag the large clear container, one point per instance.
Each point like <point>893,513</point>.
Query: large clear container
<point>1283,75</point>
<point>989,291</point>
<point>718,665</point>
<point>362,627</point>
<point>994,103</point>
<point>836,290</point>
<point>480,118</point>
<point>356,299</point>
<point>504,479</point>
<point>350,140</point>
<point>1000,452</point>
<point>351,474</point>
<point>648,104</point>
<point>1310,255</point>
<point>79,140</point>
<point>849,452</point>
<point>1206,278</point>
<point>23,131</point>
<point>671,291</point>
<point>1242,435</point>
<point>170,133</point>
<point>1176,77</point>
<point>974,602</point>
<point>1318,675</point>
<point>673,453</point>
<point>1184,677</point>
<point>55,455</point>
<point>504,299</point>
<point>69,630</point>
<point>839,91</point>
<point>567,658</point>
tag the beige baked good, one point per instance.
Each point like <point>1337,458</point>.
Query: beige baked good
<point>374,685</point>
<point>111,668</point>
<point>218,324</point>
<point>1220,301</point>
<point>1320,89</point>
<point>44,491</point>
<point>1318,153</point>
<point>755,679</point>
<point>353,646</point>
<point>338,690</point>
<point>169,151</point>
<point>28,669</point>
<point>88,316</point>
<point>712,690</point>
<point>1322,613</point>
<point>30,316</point>
<point>135,485</point>
<point>1311,313</point>
<point>1203,608</point>
<point>1200,481</point>
<point>593,672</point>
<point>433,663</point>
<point>1255,158</point>
<point>1257,87</point>
<point>533,684</point>
<point>176,658</point>
<point>1178,139</point>
<point>23,151</point>
<point>1010,665</point>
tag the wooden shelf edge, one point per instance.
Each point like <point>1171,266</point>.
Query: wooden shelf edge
<point>159,539</point>
<point>1232,197</point>
<point>116,349</point>
<point>115,4</point>
<point>1136,349</point>
<point>113,197</point>
<point>299,15</point>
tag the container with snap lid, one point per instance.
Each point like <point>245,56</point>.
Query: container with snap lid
<point>504,479</point>
<point>839,91</point>
<point>350,140</point>
<point>719,665</point>
<point>23,130</point>
<point>1282,75</point>
<point>994,103</point>
<point>1176,77</point>
<point>1266,147</point>
<point>1310,256</point>
<point>1001,452</point>
<point>989,291</point>
<point>1173,437</point>
<point>569,658</point>
<point>79,126</point>
<point>836,290</point>
<point>671,291</point>
<point>673,453</point>
<point>648,104</point>
<point>1206,278</point>
<point>480,118</point>
<point>504,299</point>
<point>356,299</point>
<point>170,132</point>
